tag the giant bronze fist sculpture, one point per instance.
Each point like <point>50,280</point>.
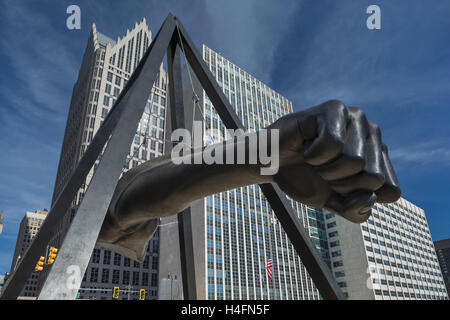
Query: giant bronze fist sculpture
<point>330,156</point>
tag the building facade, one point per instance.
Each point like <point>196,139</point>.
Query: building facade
<point>389,257</point>
<point>443,254</point>
<point>106,67</point>
<point>29,227</point>
<point>236,232</point>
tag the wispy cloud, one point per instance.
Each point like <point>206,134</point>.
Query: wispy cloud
<point>248,32</point>
<point>38,61</point>
<point>424,153</point>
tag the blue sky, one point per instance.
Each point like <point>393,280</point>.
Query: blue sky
<point>309,51</point>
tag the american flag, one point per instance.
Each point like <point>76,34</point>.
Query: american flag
<point>269,268</point>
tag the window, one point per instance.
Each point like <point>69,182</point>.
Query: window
<point>106,101</point>
<point>115,276</point>
<point>331,224</point>
<point>135,278</point>
<point>96,256</point>
<point>336,253</point>
<point>339,274</point>
<point>104,113</point>
<point>332,234</point>
<point>118,80</point>
<point>126,277</point>
<point>105,275</point>
<point>334,243</point>
<point>107,257</point>
<point>154,280</point>
<point>145,279</point>
<point>144,154</point>
<point>94,275</point>
<point>109,77</point>
<point>338,264</point>
<point>117,258</point>
<point>155,263</point>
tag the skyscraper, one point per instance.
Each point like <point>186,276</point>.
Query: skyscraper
<point>389,257</point>
<point>443,254</point>
<point>235,232</point>
<point>106,67</point>
<point>29,227</point>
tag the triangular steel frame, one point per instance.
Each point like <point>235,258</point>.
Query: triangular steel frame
<point>117,132</point>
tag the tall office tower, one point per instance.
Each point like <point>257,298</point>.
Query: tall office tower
<point>235,232</point>
<point>106,67</point>
<point>29,227</point>
<point>390,256</point>
<point>443,254</point>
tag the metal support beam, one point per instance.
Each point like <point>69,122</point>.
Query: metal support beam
<point>184,218</point>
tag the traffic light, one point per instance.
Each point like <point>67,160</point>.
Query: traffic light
<point>40,264</point>
<point>142,294</point>
<point>51,255</point>
<point>116,293</point>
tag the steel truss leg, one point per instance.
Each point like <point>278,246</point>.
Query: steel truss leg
<point>184,218</point>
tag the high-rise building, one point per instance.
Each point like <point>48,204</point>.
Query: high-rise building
<point>389,257</point>
<point>443,254</point>
<point>235,232</point>
<point>29,227</point>
<point>105,69</point>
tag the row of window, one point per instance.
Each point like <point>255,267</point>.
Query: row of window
<point>125,277</point>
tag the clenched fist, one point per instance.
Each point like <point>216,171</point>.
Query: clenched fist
<point>332,157</point>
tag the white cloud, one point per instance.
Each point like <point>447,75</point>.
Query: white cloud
<point>424,153</point>
<point>248,32</point>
